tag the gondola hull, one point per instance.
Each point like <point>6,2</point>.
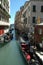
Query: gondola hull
<point>28,59</point>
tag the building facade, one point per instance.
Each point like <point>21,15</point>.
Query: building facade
<point>4,16</point>
<point>32,12</point>
<point>25,14</point>
<point>18,22</point>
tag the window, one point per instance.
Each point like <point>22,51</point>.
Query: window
<point>0,17</point>
<point>40,31</point>
<point>25,20</point>
<point>24,14</point>
<point>34,19</point>
<point>34,8</point>
<point>41,8</point>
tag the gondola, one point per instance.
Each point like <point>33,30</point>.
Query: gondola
<point>6,38</point>
<point>26,54</point>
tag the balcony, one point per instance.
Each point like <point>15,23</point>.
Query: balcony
<point>6,7</point>
<point>4,23</point>
<point>4,11</point>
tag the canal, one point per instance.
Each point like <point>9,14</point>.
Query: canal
<point>10,54</point>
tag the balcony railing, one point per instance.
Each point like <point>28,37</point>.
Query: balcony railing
<point>4,23</point>
<point>4,11</point>
<point>4,6</point>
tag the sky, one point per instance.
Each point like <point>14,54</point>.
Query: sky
<point>14,7</point>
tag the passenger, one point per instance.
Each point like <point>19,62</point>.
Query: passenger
<point>28,57</point>
<point>31,51</point>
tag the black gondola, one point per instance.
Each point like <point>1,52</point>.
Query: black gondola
<point>6,38</point>
<point>29,59</point>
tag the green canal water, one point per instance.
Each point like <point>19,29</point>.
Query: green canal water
<point>10,54</point>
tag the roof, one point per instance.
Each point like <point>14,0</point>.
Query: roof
<point>40,24</point>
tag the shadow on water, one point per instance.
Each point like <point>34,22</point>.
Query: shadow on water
<point>3,44</point>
